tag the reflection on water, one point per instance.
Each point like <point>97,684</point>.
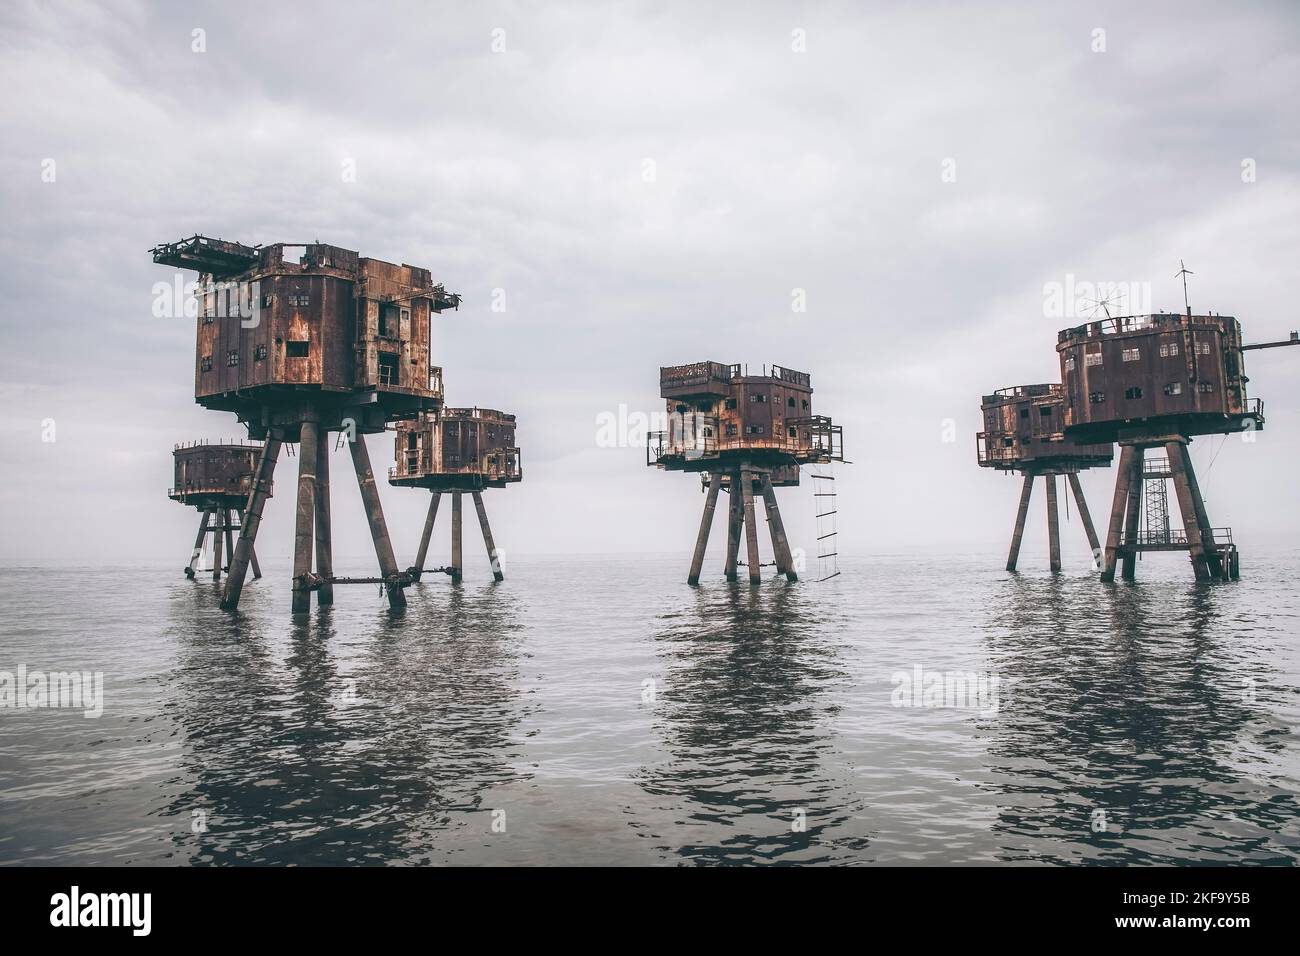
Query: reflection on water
<point>353,749</point>
<point>745,718</point>
<point>1132,713</point>
<point>615,715</point>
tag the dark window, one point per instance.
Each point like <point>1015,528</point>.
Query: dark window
<point>266,301</point>
<point>1045,411</point>
<point>731,429</point>
<point>387,369</point>
<point>731,403</point>
<point>1008,442</point>
<point>205,364</point>
<point>1024,413</point>
<point>1205,387</point>
<point>232,357</point>
<point>296,348</point>
<point>207,319</point>
<point>301,299</point>
<point>1174,388</point>
<point>1097,397</point>
<point>790,401</point>
<point>805,404</point>
<point>753,429</point>
<point>794,432</point>
<point>259,353</point>
<point>1134,392</point>
<point>757,397</point>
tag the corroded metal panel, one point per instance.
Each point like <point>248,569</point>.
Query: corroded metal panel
<point>1024,427</point>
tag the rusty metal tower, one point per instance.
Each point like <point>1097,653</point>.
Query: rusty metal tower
<point>1023,433</point>
<point>300,341</point>
<point>216,478</point>
<point>1156,382</point>
<point>746,433</point>
<point>459,451</point>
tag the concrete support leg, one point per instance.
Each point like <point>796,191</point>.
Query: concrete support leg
<point>429,519</point>
<point>252,521</point>
<point>1123,477</point>
<point>487,537</point>
<point>324,531</point>
<point>751,529</point>
<point>218,533</point>
<point>457,566</point>
<point>198,543</point>
<point>1086,517</point>
<point>1026,492</point>
<point>706,523</point>
<point>1179,462</point>
<point>1053,524</point>
<point>375,516</point>
<point>780,544</point>
<point>1133,516</point>
<point>305,518</point>
<point>735,519</point>
<point>252,556</point>
<point>230,534</point>
<point>1213,562</point>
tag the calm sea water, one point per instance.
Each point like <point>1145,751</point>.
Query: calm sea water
<point>598,711</point>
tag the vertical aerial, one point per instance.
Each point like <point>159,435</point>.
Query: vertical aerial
<point>301,341</point>
<point>1023,433</point>
<point>456,451</point>
<point>746,435</point>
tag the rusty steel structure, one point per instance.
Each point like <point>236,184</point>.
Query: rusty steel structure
<point>1024,433</point>
<point>1152,382</point>
<point>743,433</point>
<point>216,478</point>
<point>458,451</point>
<point>299,341</point>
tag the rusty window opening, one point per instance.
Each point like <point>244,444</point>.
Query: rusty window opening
<point>1045,411</point>
<point>1205,387</point>
<point>1174,388</point>
<point>296,348</point>
<point>259,353</point>
<point>731,403</point>
<point>731,429</point>
<point>1169,351</point>
<point>1134,392</point>
<point>1096,398</point>
<point>387,369</point>
<point>206,364</point>
<point>1069,363</point>
<point>1131,355</point>
<point>1092,358</point>
<point>232,358</point>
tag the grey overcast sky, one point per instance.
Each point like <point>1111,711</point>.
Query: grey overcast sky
<point>510,146</point>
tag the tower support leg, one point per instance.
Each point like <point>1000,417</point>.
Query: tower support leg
<point>1086,517</point>
<point>1123,477</point>
<point>198,542</point>
<point>1180,464</point>
<point>423,552</point>
<point>456,565</point>
<point>375,516</point>
<point>780,544</point>
<point>252,554</point>
<point>1133,515</point>
<point>706,523</point>
<point>217,535</point>
<point>1053,523</point>
<point>487,537</point>
<point>751,529</point>
<point>324,531</point>
<point>1213,560</point>
<point>230,539</point>
<point>1026,492</point>
<point>735,519</point>
<point>305,518</point>
<point>252,521</point>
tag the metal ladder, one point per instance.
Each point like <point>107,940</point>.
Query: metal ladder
<point>827,536</point>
